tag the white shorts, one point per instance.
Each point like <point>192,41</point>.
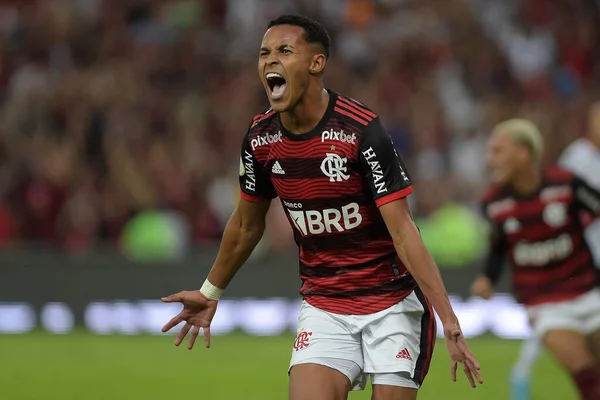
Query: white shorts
<point>581,314</point>
<point>393,346</point>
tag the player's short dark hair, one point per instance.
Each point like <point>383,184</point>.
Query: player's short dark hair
<point>314,32</point>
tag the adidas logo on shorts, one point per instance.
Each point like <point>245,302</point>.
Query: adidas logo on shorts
<point>404,354</point>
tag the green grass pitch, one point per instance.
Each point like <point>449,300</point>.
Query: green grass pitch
<point>81,366</point>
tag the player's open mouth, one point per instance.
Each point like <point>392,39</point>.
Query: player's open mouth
<point>277,84</point>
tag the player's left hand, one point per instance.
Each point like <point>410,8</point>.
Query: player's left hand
<point>198,312</point>
<point>461,354</point>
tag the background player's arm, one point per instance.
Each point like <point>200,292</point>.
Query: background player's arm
<point>246,226</point>
<point>569,158</point>
<point>586,197</point>
<point>495,258</point>
<point>389,184</point>
<point>493,264</point>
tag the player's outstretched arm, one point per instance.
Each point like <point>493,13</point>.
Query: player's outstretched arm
<point>389,184</point>
<point>416,257</point>
<point>242,233</point>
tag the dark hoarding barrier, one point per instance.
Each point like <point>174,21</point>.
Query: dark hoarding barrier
<point>105,293</point>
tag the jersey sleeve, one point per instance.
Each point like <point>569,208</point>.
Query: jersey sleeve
<point>254,181</point>
<point>495,258</point>
<point>587,198</point>
<point>568,159</point>
<point>578,158</point>
<point>380,165</point>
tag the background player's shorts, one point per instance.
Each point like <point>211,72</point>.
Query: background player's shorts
<point>393,346</point>
<point>581,314</point>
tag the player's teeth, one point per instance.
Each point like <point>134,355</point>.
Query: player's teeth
<point>273,75</point>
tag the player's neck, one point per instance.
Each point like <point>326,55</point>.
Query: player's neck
<point>527,182</point>
<point>308,113</point>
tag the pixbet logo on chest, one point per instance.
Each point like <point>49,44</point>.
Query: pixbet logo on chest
<point>264,140</point>
<point>339,136</point>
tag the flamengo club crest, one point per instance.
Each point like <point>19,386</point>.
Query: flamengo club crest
<point>302,340</point>
<point>334,167</point>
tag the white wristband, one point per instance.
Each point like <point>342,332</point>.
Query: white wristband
<point>210,291</point>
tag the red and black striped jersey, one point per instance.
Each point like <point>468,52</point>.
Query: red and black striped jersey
<point>542,237</point>
<point>330,182</point>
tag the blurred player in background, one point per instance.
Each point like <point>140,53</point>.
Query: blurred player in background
<point>366,274</point>
<point>582,157</point>
<point>536,224</point>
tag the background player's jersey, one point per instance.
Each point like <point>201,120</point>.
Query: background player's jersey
<point>330,182</point>
<point>583,159</point>
<point>543,238</point>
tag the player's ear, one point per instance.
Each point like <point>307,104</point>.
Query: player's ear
<point>317,64</point>
<point>524,154</point>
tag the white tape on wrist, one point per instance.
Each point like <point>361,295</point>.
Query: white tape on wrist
<point>210,291</point>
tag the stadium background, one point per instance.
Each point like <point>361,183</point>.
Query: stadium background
<point>120,127</point>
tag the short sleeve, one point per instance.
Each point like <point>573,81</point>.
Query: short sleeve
<point>381,166</point>
<point>254,182</point>
<point>568,159</point>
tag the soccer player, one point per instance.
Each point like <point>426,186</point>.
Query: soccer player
<point>367,277</point>
<point>535,219</point>
<point>582,157</point>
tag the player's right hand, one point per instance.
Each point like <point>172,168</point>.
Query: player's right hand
<point>483,287</point>
<point>197,313</point>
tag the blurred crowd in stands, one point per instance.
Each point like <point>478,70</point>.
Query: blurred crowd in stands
<point>112,109</point>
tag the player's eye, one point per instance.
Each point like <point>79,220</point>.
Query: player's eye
<point>264,53</point>
<point>286,51</point>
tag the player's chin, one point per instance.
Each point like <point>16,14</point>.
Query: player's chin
<point>499,177</point>
<point>279,105</point>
